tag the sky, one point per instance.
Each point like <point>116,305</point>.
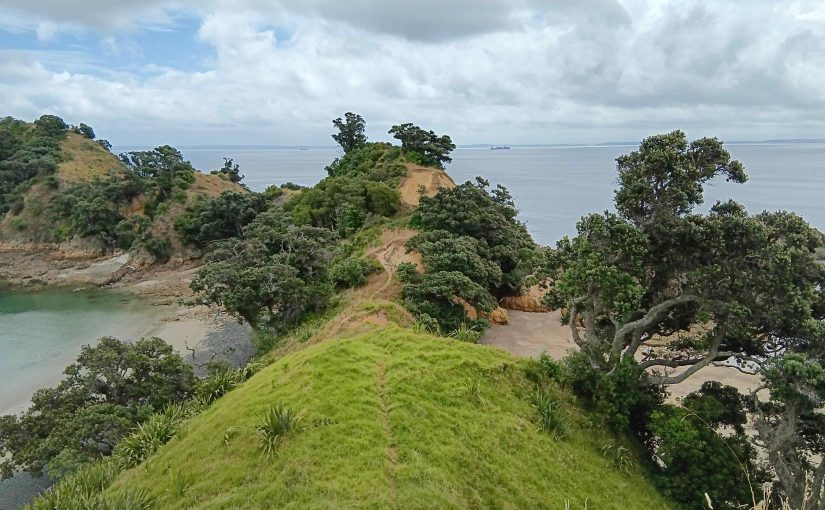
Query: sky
<point>206,72</point>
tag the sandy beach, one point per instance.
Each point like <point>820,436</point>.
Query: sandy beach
<point>531,333</point>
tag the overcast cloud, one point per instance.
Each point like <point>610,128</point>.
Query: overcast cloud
<point>483,71</point>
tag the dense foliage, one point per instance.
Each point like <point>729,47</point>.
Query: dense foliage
<point>350,135</point>
<point>229,171</point>
<point>733,286</point>
<point>165,172</point>
<point>27,151</point>
<point>221,217</point>
<point>374,161</point>
<point>272,276</point>
<point>732,283</point>
<point>101,209</point>
<point>351,272</point>
<point>361,188</point>
<point>473,247</point>
<point>110,388</point>
<point>703,448</point>
<point>423,147</point>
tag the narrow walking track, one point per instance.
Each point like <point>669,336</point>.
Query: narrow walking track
<point>392,453</point>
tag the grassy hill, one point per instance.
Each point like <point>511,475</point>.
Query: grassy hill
<point>392,419</point>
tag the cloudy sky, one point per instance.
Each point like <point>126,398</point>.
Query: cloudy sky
<point>198,72</point>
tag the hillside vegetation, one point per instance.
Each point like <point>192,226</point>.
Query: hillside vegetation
<point>391,419</point>
<point>58,184</point>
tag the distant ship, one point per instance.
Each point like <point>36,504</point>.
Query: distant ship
<point>498,147</point>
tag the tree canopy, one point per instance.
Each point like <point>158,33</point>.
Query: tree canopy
<point>431,149</point>
<point>680,290</point>
<point>731,283</point>
<point>350,135</point>
<point>273,275</point>
<point>111,387</point>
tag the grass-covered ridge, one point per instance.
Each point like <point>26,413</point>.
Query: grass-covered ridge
<point>392,419</point>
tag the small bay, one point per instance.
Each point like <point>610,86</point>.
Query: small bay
<point>42,331</point>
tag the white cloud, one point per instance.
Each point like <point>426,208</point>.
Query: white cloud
<point>520,71</point>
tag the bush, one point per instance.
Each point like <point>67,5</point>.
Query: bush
<point>619,396</point>
<point>150,435</point>
<point>352,272</point>
<point>550,419</point>
<point>159,247</point>
<point>551,368</point>
<point>469,333</point>
<point>18,224</point>
<point>276,424</point>
<point>210,219</point>
<point>215,386</point>
<point>694,459</point>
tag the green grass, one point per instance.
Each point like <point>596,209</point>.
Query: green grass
<point>391,419</point>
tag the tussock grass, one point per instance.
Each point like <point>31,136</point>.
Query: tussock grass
<point>392,421</point>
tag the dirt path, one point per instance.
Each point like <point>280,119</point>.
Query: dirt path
<point>530,334</point>
<point>392,453</point>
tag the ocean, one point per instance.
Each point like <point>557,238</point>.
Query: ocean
<point>554,187</point>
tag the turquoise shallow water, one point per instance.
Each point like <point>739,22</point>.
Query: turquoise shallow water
<point>42,331</point>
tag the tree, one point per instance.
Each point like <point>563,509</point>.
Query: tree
<point>230,170</point>
<point>164,169</point>
<point>432,149</point>
<point>731,284</point>
<point>273,275</point>
<point>84,130</point>
<point>109,389</point>
<point>720,286</point>
<point>488,217</point>
<point>350,135</point>
<point>791,426</point>
<point>50,126</point>
<point>210,219</point>
<point>441,296</point>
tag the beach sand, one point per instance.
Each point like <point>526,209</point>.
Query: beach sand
<point>529,334</point>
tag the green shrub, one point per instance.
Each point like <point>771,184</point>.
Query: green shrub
<point>221,217</point>
<point>150,435</point>
<point>215,386</point>
<point>407,272</point>
<point>695,459</point>
<point>276,424</point>
<point>18,224</point>
<point>550,418</point>
<point>263,341</point>
<point>51,182</point>
<point>467,333</point>
<point>352,272</point>
<point>159,247</point>
<point>551,368</point>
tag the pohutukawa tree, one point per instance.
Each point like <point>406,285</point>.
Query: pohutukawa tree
<point>430,148</point>
<point>350,133</point>
<point>733,285</point>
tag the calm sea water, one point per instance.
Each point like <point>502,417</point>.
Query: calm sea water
<point>555,186</point>
<point>42,332</point>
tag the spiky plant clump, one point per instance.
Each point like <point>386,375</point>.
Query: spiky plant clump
<point>466,333</point>
<point>550,418</point>
<point>276,424</point>
<point>150,435</point>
